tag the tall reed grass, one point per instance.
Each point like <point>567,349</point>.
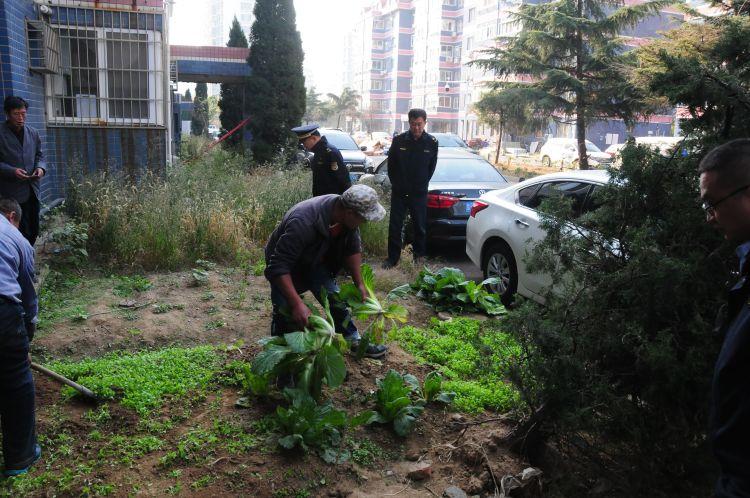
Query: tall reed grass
<point>208,208</point>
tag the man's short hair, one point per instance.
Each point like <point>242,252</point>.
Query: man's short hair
<point>731,161</point>
<point>12,102</point>
<point>8,205</point>
<point>417,113</point>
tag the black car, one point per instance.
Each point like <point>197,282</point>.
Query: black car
<point>460,178</point>
<point>354,159</point>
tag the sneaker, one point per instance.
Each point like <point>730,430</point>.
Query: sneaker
<point>374,351</point>
<point>388,264</point>
<point>19,472</point>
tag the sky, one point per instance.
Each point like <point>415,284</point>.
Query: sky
<point>321,23</point>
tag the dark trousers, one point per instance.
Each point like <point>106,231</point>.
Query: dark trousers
<point>416,204</point>
<point>315,280</point>
<point>17,415</point>
<point>30,219</point>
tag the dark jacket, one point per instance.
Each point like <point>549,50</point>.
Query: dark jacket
<point>14,155</point>
<point>302,240</point>
<point>730,400</point>
<point>411,163</point>
<point>330,176</point>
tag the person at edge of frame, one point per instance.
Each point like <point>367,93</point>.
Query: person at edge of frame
<point>22,164</point>
<point>18,316</point>
<point>725,192</point>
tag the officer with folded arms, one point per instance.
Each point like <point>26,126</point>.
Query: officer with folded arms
<point>330,176</point>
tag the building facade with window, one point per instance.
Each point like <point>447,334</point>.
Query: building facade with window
<point>95,74</point>
<point>445,37</point>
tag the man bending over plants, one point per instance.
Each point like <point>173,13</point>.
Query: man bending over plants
<point>314,240</point>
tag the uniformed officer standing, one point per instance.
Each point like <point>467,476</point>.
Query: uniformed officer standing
<point>411,162</point>
<point>330,176</point>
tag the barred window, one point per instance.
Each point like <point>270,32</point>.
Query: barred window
<point>108,75</point>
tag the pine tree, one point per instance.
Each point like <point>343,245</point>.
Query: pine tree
<point>276,88</point>
<point>199,123</point>
<point>571,51</point>
<point>232,101</point>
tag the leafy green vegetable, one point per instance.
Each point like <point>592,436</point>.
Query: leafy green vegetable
<point>394,403</point>
<point>433,389</point>
<point>313,357</point>
<point>311,426</point>
<point>371,309</point>
<point>449,290</point>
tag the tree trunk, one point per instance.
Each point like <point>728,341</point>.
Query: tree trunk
<point>338,121</point>
<point>583,158</point>
<point>499,142</point>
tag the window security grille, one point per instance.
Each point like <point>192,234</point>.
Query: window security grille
<point>112,69</point>
<point>43,46</point>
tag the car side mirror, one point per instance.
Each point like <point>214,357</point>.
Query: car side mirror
<point>522,179</point>
<point>363,148</point>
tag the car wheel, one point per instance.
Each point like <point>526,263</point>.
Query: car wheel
<point>546,161</point>
<point>499,263</point>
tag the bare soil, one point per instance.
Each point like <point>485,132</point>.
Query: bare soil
<point>234,308</point>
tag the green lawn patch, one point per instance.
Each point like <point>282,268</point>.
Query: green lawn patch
<point>65,296</point>
<point>472,355</point>
<point>143,380</point>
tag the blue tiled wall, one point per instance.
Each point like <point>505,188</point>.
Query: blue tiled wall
<point>88,149</point>
<point>16,79</point>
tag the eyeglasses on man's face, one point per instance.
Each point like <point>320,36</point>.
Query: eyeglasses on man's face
<point>710,207</point>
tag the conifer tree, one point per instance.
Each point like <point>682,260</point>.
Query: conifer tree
<point>571,51</point>
<point>232,101</point>
<point>199,123</point>
<point>276,87</point>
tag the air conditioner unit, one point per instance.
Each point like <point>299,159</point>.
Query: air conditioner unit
<point>86,106</point>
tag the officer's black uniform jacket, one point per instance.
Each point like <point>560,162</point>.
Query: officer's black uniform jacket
<point>330,176</point>
<point>730,403</point>
<point>411,163</point>
<point>302,240</point>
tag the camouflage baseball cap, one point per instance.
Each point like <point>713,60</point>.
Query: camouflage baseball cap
<point>364,201</point>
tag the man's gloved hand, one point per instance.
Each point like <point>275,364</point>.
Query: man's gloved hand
<point>30,330</point>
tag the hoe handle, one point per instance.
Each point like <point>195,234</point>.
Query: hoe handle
<point>78,387</point>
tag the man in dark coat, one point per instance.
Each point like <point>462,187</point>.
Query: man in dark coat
<point>330,176</point>
<point>314,240</point>
<point>411,162</point>
<point>725,191</point>
<point>18,316</point>
<point>21,164</point>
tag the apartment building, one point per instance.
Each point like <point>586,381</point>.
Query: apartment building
<point>418,53</point>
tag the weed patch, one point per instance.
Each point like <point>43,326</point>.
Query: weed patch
<point>472,355</point>
<point>65,296</point>
<point>144,379</point>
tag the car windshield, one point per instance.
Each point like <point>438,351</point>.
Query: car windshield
<point>447,140</point>
<point>591,147</point>
<point>341,141</point>
<point>466,170</point>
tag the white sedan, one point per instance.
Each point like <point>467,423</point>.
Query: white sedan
<point>504,226</point>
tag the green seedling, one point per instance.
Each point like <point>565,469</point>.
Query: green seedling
<point>311,426</point>
<point>449,290</point>
<point>371,309</point>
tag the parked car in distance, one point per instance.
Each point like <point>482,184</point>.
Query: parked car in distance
<point>565,151</point>
<point>504,225</point>
<point>665,145</point>
<point>460,177</point>
<point>354,159</point>
<point>453,142</point>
